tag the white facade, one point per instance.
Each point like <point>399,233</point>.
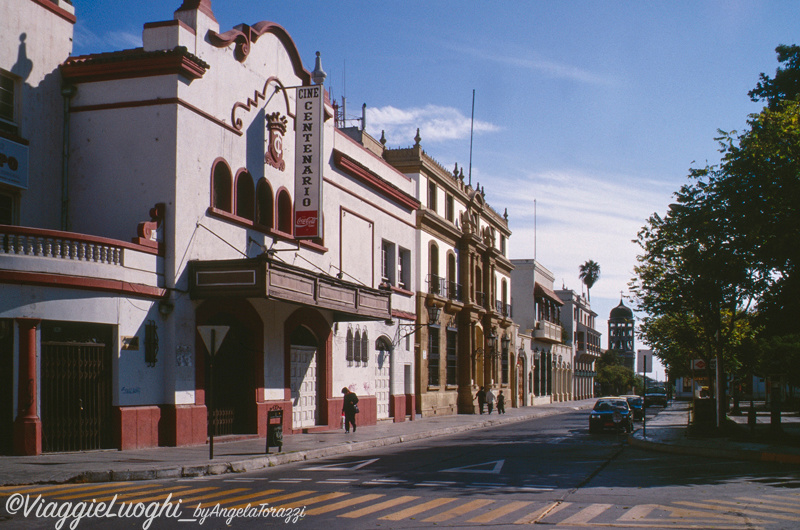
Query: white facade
<point>180,182</point>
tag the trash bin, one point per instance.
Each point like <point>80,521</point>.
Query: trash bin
<point>275,428</point>
<point>704,413</point>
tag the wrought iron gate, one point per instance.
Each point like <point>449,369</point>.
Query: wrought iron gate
<point>76,396</point>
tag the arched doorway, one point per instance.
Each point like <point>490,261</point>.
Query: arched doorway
<point>234,384</point>
<point>383,379</point>
<point>303,380</point>
<point>238,366</point>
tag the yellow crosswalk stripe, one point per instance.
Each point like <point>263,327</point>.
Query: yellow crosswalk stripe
<point>257,499</point>
<point>793,499</point>
<point>414,510</point>
<point>497,513</point>
<point>708,505</point>
<point>380,506</point>
<point>543,512</point>
<point>312,500</point>
<point>219,493</point>
<point>586,515</point>
<point>162,495</point>
<point>344,504</point>
<point>640,511</point>
<point>108,493</point>
<point>766,504</point>
<point>458,511</point>
<point>5,491</point>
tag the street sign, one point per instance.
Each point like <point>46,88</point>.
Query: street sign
<point>700,364</point>
<point>645,361</point>
<point>213,336</point>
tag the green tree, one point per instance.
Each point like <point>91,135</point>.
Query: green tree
<point>613,377</point>
<point>786,83</point>
<point>692,281</point>
<point>589,273</point>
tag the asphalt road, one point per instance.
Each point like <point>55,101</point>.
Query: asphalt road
<point>543,471</point>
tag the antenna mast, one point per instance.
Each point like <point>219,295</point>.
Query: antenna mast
<point>471,126</point>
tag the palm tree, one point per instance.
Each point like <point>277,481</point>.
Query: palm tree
<point>589,273</point>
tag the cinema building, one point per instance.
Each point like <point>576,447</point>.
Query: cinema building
<point>184,224</point>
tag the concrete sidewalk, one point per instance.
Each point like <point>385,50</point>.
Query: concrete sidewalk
<point>665,432</point>
<point>248,455</point>
<point>669,432</point>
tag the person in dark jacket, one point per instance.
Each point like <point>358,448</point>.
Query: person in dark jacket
<point>349,409</point>
<point>501,403</point>
<point>481,397</point>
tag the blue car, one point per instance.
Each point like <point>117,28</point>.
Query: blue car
<point>636,403</point>
<point>611,413</point>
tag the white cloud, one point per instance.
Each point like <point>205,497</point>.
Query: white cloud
<point>86,41</point>
<point>532,61</point>
<point>435,123</point>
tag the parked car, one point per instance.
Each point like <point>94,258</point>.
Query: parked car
<point>611,413</point>
<point>636,403</point>
<point>655,399</point>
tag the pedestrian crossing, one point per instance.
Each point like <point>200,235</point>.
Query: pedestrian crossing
<point>755,512</point>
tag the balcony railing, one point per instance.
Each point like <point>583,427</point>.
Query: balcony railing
<point>547,331</point>
<point>503,309</point>
<point>479,298</point>
<point>441,287</point>
<point>60,247</point>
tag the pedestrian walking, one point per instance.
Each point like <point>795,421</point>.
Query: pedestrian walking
<point>481,397</point>
<point>490,400</point>
<point>349,409</point>
<point>501,403</point>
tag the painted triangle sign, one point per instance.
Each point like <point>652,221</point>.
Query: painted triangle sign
<point>213,336</point>
<point>492,467</point>
<point>344,466</point>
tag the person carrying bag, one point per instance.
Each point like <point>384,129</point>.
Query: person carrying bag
<point>349,409</point>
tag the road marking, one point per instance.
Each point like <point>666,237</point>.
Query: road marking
<point>586,515</point>
<point>291,480</point>
<point>708,505</point>
<point>265,500</point>
<point>127,495</point>
<point>495,467</point>
<point>349,466</point>
<point>488,517</point>
<point>134,498</point>
<point>344,504</point>
<point>458,511</point>
<point>772,505</point>
<point>337,481</point>
<point>378,507</point>
<point>312,500</point>
<point>219,493</point>
<point>414,510</point>
<point>543,512</point>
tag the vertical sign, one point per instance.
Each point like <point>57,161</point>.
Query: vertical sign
<point>645,361</point>
<point>308,163</point>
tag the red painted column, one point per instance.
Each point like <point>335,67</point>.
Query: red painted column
<point>28,425</point>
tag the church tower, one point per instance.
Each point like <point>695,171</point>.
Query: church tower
<point>620,333</point>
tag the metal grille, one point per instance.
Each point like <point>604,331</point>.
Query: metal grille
<point>223,421</point>
<point>76,396</point>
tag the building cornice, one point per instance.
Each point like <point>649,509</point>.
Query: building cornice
<point>134,63</point>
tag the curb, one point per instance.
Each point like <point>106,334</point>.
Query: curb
<point>717,452</point>
<point>253,464</point>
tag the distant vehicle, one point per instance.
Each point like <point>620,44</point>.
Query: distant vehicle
<point>636,403</point>
<point>611,413</point>
<point>655,399</point>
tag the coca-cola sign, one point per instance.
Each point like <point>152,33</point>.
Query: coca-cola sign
<point>309,120</point>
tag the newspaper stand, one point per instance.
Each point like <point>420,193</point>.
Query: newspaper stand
<point>275,428</point>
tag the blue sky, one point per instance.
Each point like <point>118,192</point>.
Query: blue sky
<point>595,109</point>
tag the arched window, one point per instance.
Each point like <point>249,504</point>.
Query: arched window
<point>364,348</point>
<point>222,187</point>
<point>357,347</point>
<point>350,353</point>
<point>245,200</point>
<point>285,221</point>
<point>433,269</point>
<point>452,278</point>
<point>265,211</point>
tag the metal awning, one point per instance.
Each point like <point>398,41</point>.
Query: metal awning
<point>263,277</point>
<point>541,290</point>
